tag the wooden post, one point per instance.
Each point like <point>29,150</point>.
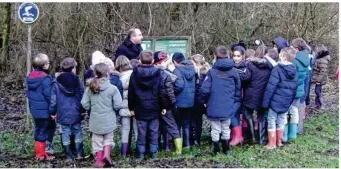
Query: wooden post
<point>28,70</point>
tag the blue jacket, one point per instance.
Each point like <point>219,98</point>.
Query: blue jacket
<point>221,89</point>
<point>257,76</point>
<point>184,86</point>
<point>199,103</point>
<point>302,63</point>
<point>38,92</point>
<point>129,49</point>
<point>115,80</point>
<point>66,98</point>
<point>144,96</point>
<point>281,88</point>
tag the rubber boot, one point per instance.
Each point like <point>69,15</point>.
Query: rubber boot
<point>124,149</point>
<point>141,150</point>
<point>262,132</point>
<point>153,150</point>
<point>292,131</point>
<point>79,150</point>
<point>285,134</point>
<point>226,146</point>
<point>216,148</point>
<point>322,103</point>
<point>178,146</point>
<point>106,156</point>
<point>166,142</point>
<point>39,148</point>
<point>48,148</point>
<point>279,135</point>
<point>237,136</point>
<point>68,153</point>
<point>251,129</point>
<point>99,160</point>
<point>73,145</point>
<point>186,132</point>
<point>271,140</point>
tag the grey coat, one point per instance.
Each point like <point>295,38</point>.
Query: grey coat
<point>102,106</point>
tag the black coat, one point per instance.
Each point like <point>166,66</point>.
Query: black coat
<point>256,76</point>
<point>144,93</point>
<point>129,49</point>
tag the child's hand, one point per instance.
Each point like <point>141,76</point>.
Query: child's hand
<point>163,112</point>
<point>54,117</point>
<point>132,113</point>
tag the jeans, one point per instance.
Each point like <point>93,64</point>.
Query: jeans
<point>153,127</point>
<point>275,120</point>
<point>71,129</point>
<point>40,129</point>
<point>235,119</point>
<point>185,124</point>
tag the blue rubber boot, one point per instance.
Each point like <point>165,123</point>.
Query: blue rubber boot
<point>292,131</point>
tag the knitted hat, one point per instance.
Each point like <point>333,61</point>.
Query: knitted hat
<point>97,56</point>
<point>159,57</point>
<point>68,64</point>
<point>178,57</point>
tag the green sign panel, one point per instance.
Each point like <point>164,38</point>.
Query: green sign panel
<point>172,46</point>
<point>147,45</point>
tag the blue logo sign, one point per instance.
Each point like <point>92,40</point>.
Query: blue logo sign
<point>28,12</point>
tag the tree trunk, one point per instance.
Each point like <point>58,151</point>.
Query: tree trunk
<point>6,33</point>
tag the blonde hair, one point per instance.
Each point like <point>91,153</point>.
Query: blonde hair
<point>198,59</point>
<point>249,53</point>
<point>288,53</point>
<point>40,60</point>
<point>123,64</point>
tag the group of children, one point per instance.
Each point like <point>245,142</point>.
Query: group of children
<point>160,95</point>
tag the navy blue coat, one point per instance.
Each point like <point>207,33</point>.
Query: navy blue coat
<point>221,90</point>
<point>38,92</point>
<point>129,49</point>
<point>199,102</point>
<point>115,80</point>
<point>88,74</point>
<point>66,98</point>
<point>184,86</point>
<point>144,96</point>
<point>257,76</point>
<point>281,89</point>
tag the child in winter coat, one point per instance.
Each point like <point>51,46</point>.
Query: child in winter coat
<point>320,74</point>
<point>201,69</point>
<point>89,74</point>
<point>66,98</point>
<point>38,92</point>
<point>221,90</point>
<point>257,76</point>
<point>102,98</point>
<point>145,101</point>
<point>296,110</point>
<point>184,89</point>
<point>279,94</point>
<point>240,65</point>
<point>168,124</point>
<point>128,121</point>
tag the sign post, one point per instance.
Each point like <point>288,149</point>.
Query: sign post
<point>28,13</point>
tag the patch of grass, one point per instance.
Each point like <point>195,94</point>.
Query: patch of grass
<point>317,147</point>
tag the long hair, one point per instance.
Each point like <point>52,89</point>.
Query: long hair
<point>101,71</point>
<point>123,64</point>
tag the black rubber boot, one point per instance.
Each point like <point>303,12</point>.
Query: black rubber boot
<point>226,146</point>
<point>68,153</point>
<point>216,148</point>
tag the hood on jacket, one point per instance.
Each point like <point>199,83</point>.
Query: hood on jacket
<point>281,43</point>
<point>261,63</point>
<point>68,83</point>
<point>96,58</point>
<point>146,75</point>
<point>323,54</point>
<point>35,78</point>
<point>289,70</point>
<point>104,83</point>
<point>303,58</point>
<point>187,69</point>
<point>223,64</point>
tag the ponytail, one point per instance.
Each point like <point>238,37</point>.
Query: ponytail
<point>94,85</point>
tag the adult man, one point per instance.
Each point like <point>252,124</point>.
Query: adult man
<point>131,47</point>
